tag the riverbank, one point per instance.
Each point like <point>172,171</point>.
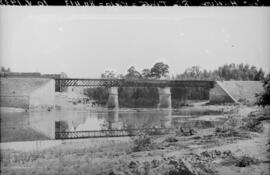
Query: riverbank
<point>235,150</point>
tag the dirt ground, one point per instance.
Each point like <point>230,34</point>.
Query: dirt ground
<point>239,146</point>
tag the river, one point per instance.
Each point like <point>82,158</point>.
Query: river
<point>29,126</point>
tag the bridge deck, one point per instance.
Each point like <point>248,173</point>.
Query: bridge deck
<point>132,83</point>
<point>110,133</point>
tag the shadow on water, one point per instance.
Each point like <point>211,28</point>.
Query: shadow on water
<point>29,126</point>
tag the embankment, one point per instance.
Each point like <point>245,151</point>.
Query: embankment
<point>27,93</point>
<point>243,92</point>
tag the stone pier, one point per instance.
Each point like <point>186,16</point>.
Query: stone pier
<point>113,98</point>
<point>113,120</point>
<point>164,97</point>
<point>166,121</point>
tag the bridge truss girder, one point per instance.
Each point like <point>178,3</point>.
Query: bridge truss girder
<point>131,83</point>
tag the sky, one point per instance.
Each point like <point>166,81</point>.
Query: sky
<point>83,42</point>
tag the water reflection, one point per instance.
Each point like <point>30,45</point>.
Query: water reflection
<point>43,125</point>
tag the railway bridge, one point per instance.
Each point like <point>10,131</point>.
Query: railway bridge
<point>164,87</point>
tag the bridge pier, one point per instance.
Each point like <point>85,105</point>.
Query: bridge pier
<point>113,98</point>
<point>164,97</point>
<point>166,121</point>
<point>113,120</point>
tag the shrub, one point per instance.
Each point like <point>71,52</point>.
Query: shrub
<point>142,142</point>
<point>253,125</point>
<point>229,128</point>
<point>227,132</point>
<point>233,122</point>
<point>185,131</point>
<point>245,160</point>
<point>263,99</point>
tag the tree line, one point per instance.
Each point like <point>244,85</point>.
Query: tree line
<point>226,72</point>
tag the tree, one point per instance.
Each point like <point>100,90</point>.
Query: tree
<point>159,70</point>
<point>225,72</point>
<point>194,72</point>
<point>3,69</point>
<point>263,99</point>
<point>63,75</point>
<point>259,75</point>
<point>146,73</point>
<point>109,74</point>
<point>133,73</point>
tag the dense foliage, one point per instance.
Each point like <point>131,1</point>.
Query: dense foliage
<point>226,72</point>
<point>264,98</point>
<point>158,71</point>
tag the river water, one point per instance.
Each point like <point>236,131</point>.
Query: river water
<point>29,126</point>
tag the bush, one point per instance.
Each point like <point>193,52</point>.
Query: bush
<point>229,128</point>
<point>263,99</point>
<point>245,160</point>
<point>253,125</point>
<point>185,131</point>
<point>227,132</point>
<point>142,142</point>
<point>233,122</point>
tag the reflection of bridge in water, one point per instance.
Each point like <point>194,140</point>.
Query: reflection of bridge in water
<point>110,133</point>
<point>119,125</point>
<point>113,84</point>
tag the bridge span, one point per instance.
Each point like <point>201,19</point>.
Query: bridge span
<point>113,84</point>
<point>64,82</point>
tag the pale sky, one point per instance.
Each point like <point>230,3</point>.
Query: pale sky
<point>85,41</point>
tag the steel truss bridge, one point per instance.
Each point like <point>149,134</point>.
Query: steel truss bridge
<point>65,82</point>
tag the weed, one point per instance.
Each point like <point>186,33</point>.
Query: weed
<point>142,142</point>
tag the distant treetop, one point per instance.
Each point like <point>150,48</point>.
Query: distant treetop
<point>226,72</point>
